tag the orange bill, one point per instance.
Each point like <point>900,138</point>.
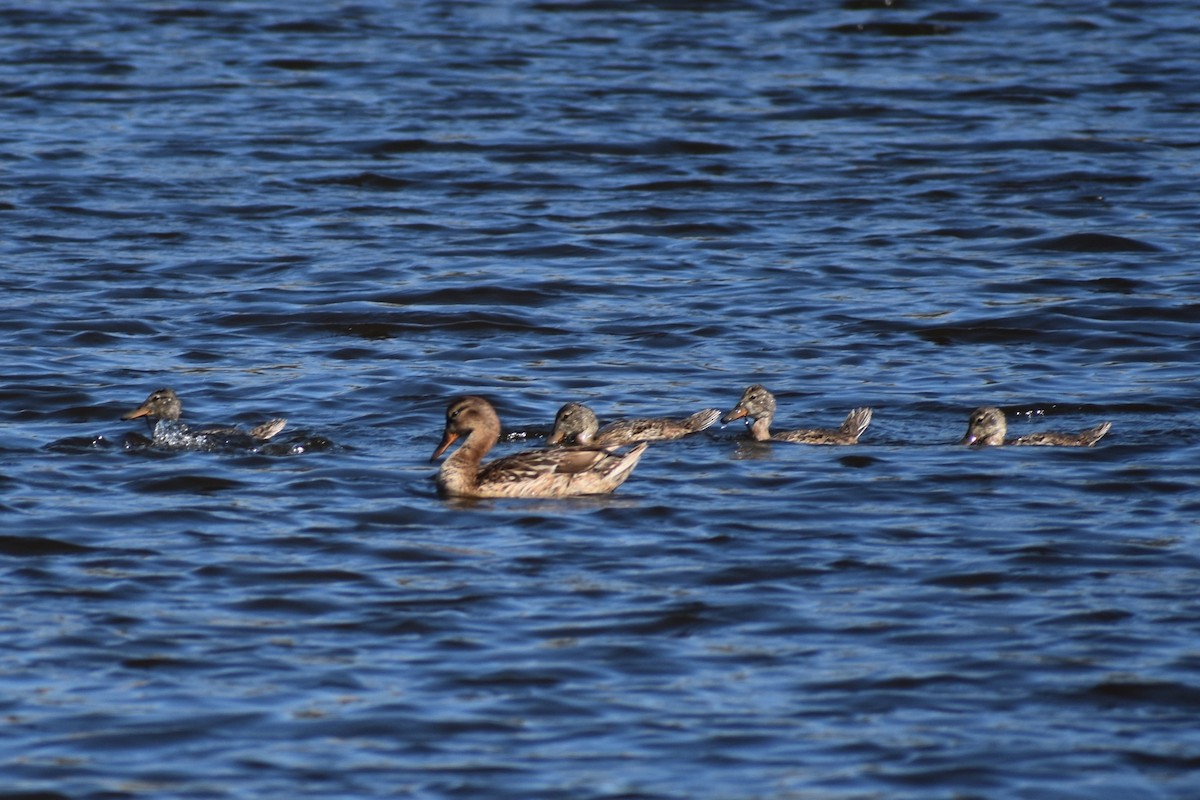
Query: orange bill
<point>737,413</point>
<point>141,411</point>
<point>447,440</point>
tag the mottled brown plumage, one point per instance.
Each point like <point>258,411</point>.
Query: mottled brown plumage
<point>553,472</point>
<point>164,408</point>
<point>758,404</point>
<point>988,426</point>
<point>576,422</point>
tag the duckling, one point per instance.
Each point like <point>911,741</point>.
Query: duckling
<point>162,410</point>
<point>759,405</point>
<point>988,426</point>
<point>578,421</point>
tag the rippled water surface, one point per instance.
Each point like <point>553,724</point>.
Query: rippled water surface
<point>346,214</point>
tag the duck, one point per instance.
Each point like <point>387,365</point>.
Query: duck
<point>988,426</point>
<point>544,473</point>
<point>759,405</point>
<point>577,422</point>
<point>163,409</point>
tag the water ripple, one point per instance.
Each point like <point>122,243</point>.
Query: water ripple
<point>345,216</point>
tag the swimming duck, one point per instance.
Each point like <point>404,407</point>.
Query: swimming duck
<point>988,426</point>
<point>162,409</point>
<point>553,472</point>
<point>578,421</point>
<point>759,404</point>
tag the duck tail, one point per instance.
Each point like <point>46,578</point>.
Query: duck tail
<point>702,419</point>
<point>268,429</point>
<point>857,422</point>
<point>623,465</point>
<point>1093,435</point>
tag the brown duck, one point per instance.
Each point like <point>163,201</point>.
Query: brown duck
<point>552,472</point>
<point>576,422</point>
<point>759,405</point>
<point>163,410</point>
<point>988,426</point>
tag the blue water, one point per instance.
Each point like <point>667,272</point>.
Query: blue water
<point>346,215</point>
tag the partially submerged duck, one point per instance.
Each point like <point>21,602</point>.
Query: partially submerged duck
<point>576,422</point>
<point>551,472</point>
<point>988,426</point>
<point>162,410</point>
<point>758,404</point>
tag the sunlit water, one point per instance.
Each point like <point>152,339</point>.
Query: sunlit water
<point>347,215</point>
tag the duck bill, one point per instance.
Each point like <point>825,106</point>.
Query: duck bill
<point>142,411</point>
<point>969,439</point>
<point>737,413</point>
<point>555,437</point>
<point>447,440</point>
